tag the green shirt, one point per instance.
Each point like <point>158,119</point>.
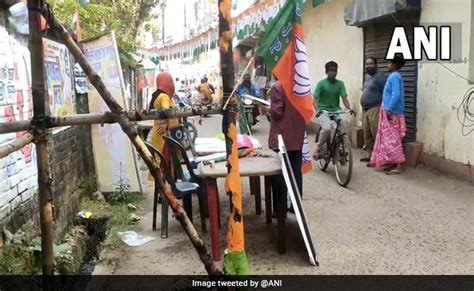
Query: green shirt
<point>327,94</point>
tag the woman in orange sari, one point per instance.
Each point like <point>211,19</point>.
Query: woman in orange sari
<point>162,98</point>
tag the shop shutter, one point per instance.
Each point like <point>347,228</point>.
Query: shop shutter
<point>376,41</point>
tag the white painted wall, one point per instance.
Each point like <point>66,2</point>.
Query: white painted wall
<point>18,172</point>
<point>329,38</point>
<point>440,92</point>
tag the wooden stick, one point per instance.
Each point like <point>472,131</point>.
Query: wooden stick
<point>131,132</point>
<point>15,145</point>
<point>40,112</point>
<point>238,82</point>
<point>107,117</point>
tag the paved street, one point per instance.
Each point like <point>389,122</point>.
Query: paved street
<point>421,222</point>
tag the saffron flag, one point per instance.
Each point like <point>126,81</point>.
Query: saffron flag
<point>283,49</point>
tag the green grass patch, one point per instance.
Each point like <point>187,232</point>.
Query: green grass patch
<point>24,257</point>
<point>119,213</point>
<point>19,259</point>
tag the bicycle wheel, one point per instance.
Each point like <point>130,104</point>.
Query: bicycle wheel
<point>343,161</point>
<point>323,164</point>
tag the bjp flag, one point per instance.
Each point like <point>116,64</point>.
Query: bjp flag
<point>284,51</point>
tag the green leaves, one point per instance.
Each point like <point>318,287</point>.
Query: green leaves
<point>124,17</point>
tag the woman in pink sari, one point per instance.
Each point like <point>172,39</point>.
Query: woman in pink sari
<point>388,150</point>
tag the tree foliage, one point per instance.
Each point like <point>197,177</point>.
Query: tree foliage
<point>125,17</point>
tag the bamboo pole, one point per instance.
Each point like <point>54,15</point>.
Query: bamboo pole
<point>107,117</point>
<point>40,112</point>
<point>14,126</point>
<point>15,145</point>
<point>235,261</point>
<point>131,132</point>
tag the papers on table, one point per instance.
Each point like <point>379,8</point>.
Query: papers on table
<point>211,145</point>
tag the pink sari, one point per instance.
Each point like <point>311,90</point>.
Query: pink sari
<point>388,147</point>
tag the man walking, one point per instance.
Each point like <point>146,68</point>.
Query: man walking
<point>371,100</point>
<point>206,91</point>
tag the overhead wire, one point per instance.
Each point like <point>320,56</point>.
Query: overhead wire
<point>465,114</point>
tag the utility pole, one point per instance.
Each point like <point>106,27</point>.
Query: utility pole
<point>184,35</point>
<point>163,6</point>
<point>41,115</point>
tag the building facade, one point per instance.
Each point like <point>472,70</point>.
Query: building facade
<point>70,148</point>
<point>435,91</point>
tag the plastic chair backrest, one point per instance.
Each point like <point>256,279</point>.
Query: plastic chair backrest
<point>174,147</point>
<point>164,165</point>
<point>175,159</point>
<point>180,133</point>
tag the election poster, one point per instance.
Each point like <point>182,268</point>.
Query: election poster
<point>115,158</point>
<point>59,78</point>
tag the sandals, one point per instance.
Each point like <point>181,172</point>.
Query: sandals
<point>389,168</point>
<point>365,160</point>
<point>393,172</point>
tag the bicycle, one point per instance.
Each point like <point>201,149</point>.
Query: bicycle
<point>338,151</point>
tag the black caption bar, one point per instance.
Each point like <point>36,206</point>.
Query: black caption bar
<point>294,283</point>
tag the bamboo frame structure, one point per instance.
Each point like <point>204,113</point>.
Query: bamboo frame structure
<point>42,122</point>
<point>40,111</point>
<point>107,117</point>
<point>16,145</point>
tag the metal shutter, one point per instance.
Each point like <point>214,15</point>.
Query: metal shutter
<point>376,41</point>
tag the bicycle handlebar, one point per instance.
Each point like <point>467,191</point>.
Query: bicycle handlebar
<point>332,114</point>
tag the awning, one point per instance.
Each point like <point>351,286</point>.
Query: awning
<point>365,12</point>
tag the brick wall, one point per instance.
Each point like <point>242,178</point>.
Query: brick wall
<point>71,161</point>
<point>18,173</point>
<point>71,157</point>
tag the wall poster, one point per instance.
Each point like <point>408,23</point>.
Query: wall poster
<point>115,157</point>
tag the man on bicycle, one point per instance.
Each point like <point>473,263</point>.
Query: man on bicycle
<point>327,94</point>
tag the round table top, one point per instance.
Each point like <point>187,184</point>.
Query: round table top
<point>249,167</point>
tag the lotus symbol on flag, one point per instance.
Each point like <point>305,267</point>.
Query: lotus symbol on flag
<point>301,82</point>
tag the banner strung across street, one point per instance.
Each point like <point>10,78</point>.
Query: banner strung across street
<point>115,159</point>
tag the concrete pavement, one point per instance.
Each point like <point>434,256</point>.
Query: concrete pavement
<point>420,222</point>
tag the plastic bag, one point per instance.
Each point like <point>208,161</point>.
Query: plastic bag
<point>134,239</point>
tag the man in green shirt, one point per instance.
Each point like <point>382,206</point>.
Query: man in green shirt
<point>327,95</point>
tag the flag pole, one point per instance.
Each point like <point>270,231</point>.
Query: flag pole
<point>235,259</point>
